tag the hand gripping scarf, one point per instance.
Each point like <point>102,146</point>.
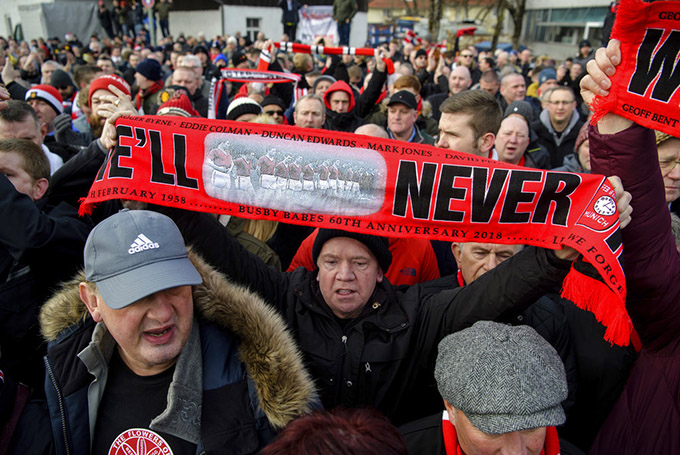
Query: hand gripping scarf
<point>364,184</point>
<point>645,86</point>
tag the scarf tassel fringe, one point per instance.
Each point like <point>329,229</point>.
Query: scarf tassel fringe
<point>594,296</point>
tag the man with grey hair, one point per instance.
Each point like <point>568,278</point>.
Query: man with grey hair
<point>194,64</point>
<point>502,387</point>
<point>310,112</point>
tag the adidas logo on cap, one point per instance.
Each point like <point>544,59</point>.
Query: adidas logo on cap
<point>142,243</point>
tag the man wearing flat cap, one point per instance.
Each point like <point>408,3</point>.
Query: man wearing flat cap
<point>151,351</point>
<point>502,387</point>
<point>367,342</point>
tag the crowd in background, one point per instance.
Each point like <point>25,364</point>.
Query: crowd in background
<point>512,106</point>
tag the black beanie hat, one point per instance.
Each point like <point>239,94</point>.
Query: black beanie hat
<point>61,78</point>
<point>379,246</point>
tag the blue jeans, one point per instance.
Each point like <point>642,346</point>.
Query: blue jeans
<point>343,31</point>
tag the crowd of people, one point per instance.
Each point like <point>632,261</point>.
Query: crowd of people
<point>113,334</point>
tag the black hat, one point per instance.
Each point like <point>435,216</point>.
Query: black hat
<point>404,97</point>
<point>584,43</point>
<point>61,78</point>
<point>241,106</point>
<point>150,69</point>
<point>421,52</point>
<point>379,246</point>
<point>273,99</point>
<point>237,58</point>
<point>200,48</point>
<point>522,108</point>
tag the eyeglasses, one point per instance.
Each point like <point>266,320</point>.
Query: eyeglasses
<point>561,103</point>
<point>668,165</point>
<point>279,113</point>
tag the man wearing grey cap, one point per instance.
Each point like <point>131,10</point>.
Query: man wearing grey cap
<point>502,387</point>
<point>131,364</point>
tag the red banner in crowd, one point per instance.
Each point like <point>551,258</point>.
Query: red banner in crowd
<point>364,184</point>
<point>645,86</point>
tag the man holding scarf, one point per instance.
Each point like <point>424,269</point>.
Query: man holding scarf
<point>646,418</point>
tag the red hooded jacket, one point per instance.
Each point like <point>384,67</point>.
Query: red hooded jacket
<point>342,86</point>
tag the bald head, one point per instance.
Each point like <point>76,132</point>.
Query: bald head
<point>459,80</point>
<point>513,87</point>
<point>371,129</point>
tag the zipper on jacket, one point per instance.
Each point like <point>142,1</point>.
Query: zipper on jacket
<point>344,344</point>
<point>61,404</point>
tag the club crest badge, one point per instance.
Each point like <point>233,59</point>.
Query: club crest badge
<point>139,441</point>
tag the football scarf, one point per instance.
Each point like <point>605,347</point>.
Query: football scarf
<point>287,46</point>
<point>645,86</point>
<point>452,446</point>
<point>331,179</point>
<point>217,91</point>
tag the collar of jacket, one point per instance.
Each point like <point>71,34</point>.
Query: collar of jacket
<point>284,387</point>
<point>545,119</point>
<point>385,311</point>
<point>184,388</point>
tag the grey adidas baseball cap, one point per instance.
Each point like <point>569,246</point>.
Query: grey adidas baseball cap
<point>134,254</point>
<point>503,378</point>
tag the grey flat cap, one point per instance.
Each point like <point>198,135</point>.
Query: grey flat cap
<point>503,378</point>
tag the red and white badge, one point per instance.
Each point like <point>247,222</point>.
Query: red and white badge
<point>140,441</point>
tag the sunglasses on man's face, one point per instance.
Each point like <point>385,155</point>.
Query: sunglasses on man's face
<point>279,113</point>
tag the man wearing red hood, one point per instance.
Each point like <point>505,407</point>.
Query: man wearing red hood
<point>345,112</point>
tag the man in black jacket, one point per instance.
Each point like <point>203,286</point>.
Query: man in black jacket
<point>345,111</point>
<point>558,124</point>
<point>289,17</point>
<point>40,246</point>
<point>365,341</point>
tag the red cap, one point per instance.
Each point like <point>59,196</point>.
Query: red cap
<point>48,94</point>
<point>178,105</point>
<point>103,82</point>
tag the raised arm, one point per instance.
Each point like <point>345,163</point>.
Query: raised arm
<point>651,262</point>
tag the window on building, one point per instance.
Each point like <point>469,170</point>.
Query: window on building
<point>253,27</point>
<point>564,25</point>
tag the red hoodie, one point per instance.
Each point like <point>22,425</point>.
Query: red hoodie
<point>339,85</point>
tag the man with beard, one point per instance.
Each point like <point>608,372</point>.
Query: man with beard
<point>75,179</point>
<point>99,88</point>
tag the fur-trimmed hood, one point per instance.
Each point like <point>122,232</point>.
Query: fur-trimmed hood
<point>266,347</point>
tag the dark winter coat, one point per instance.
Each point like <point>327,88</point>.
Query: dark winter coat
<point>40,246</point>
<point>242,400</point>
<point>384,358</point>
<point>646,418</point>
<point>557,147</point>
<point>73,180</point>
